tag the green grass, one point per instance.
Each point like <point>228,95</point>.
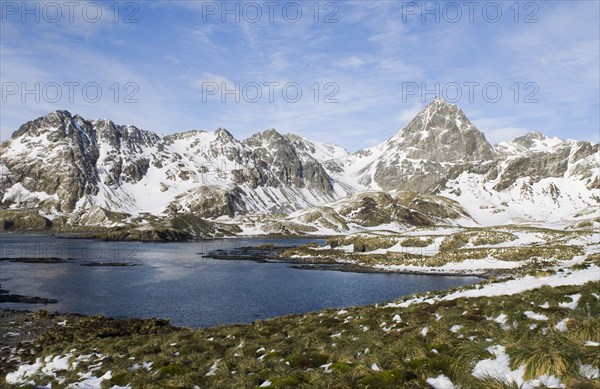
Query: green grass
<point>296,346</point>
<point>416,242</point>
<point>473,243</point>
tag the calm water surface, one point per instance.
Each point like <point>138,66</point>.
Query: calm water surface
<point>174,281</point>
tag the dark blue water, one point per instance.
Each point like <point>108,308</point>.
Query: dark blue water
<point>174,281</point>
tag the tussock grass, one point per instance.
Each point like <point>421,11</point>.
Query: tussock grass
<point>363,347</point>
<point>416,242</point>
<point>555,355</point>
<point>489,243</point>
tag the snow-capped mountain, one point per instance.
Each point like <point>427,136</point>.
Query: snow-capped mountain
<point>534,141</point>
<point>534,179</point>
<point>82,172</point>
<point>419,155</point>
<point>61,163</point>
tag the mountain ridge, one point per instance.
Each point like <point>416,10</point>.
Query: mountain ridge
<point>83,172</point>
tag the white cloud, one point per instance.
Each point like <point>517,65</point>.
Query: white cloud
<point>351,62</point>
<point>212,78</point>
<point>406,115</point>
<point>495,136</point>
<point>169,61</point>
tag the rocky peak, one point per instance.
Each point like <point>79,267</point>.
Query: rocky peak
<point>269,141</point>
<point>530,137</point>
<point>531,142</point>
<point>287,163</point>
<point>442,132</point>
<point>53,154</point>
<point>124,136</point>
<point>268,136</point>
<point>270,145</point>
<point>223,134</point>
<point>56,121</point>
<point>535,140</point>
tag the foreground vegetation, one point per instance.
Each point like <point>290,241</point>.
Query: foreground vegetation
<point>547,332</point>
<point>543,337</point>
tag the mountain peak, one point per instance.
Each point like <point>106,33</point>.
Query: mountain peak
<point>317,150</point>
<point>442,132</point>
<point>223,134</point>
<point>439,104</point>
<point>51,121</point>
<point>438,101</point>
<point>536,141</point>
<point>266,137</point>
<point>61,113</point>
<point>530,136</point>
<point>271,132</point>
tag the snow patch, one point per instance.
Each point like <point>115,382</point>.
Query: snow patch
<point>440,382</point>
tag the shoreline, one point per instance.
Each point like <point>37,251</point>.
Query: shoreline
<point>355,268</point>
<point>95,236</point>
<point>271,255</point>
<point>160,352</point>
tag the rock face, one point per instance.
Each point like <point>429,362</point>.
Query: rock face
<point>72,172</point>
<point>419,156</point>
<point>51,162</point>
<point>291,166</point>
<point>535,179</point>
<point>61,164</point>
<point>442,133</point>
<point>23,220</point>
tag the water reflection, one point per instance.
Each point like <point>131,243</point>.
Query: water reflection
<point>174,281</point>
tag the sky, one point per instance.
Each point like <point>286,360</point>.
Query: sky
<point>351,73</point>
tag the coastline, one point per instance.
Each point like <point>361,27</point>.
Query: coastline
<point>349,345</point>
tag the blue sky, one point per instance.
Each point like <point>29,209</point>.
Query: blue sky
<point>377,59</point>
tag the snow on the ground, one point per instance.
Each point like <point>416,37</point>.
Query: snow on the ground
<point>561,326</point>
<point>576,277</point>
<point>428,250</point>
<point>23,373</point>
<point>441,230</point>
<point>499,368</point>
<point>213,369</point>
<point>473,266</point>
<point>573,304</point>
<point>502,319</point>
<point>89,381</point>
<point>455,328</point>
<point>440,382</point>
<point>511,287</point>
<point>535,316</point>
<point>50,366</point>
<point>589,371</point>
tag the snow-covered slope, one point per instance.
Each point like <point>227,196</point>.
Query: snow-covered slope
<point>534,141</point>
<point>543,181</point>
<point>419,155</point>
<point>62,165</point>
<point>322,152</point>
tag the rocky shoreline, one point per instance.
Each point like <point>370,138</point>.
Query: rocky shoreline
<point>276,254</point>
<point>24,333</point>
<point>354,268</point>
<point>333,347</point>
<point>7,297</point>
